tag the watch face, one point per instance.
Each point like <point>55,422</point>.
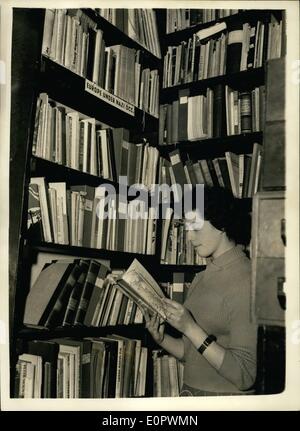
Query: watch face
<point>206,343</point>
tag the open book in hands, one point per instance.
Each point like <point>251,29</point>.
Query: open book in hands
<point>141,287</point>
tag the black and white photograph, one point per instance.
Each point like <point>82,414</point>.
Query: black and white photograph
<point>149,205</point>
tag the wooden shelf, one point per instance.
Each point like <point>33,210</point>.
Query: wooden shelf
<point>68,88</point>
<point>215,147</point>
<point>165,271</point>
<point>121,258</point>
<point>58,172</point>
<point>244,80</point>
<point>39,332</point>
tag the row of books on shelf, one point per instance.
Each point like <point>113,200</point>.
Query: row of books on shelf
<point>76,292</point>
<point>237,172</point>
<point>102,367</point>
<point>83,216</point>
<point>67,137</point>
<point>73,40</point>
<point>221,111</point>
<point>167,374</point>
<point>139,24</point>
<point>179,19</point>
<point>236,50</point>
<point>245,110</point>
<point>191,61</point>
<point>66,38</point>
<point>176,249</point>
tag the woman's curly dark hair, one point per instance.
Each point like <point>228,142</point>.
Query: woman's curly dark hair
<point>226,213</point>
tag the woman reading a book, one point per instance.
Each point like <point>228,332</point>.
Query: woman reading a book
<point>218,342</point>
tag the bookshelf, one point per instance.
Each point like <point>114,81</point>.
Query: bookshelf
<point>245,15</point>
<point>38,74</point>
<point>115,35</point>
<point>254,76</point>
<point>215,146</point>
<point>58,81</point>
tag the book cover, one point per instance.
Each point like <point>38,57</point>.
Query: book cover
<point>234,47</point>
<point>56,314</point>
<point>75,295</point>
<point>177,166</point>
<point>183,114</point>
<point>97,294</point>
<point>99,363</point>
<point>129,356</point>
<point>219,118</point>
<point>178,287</point>
<point>224,171</point>
<point>48,351</point>
<point>246,115</point>
<point>44,291</point>
<point>47,227</point>
<point>211,31</point>
<point>34,221</point>
<point>141,287</point>
<point>89,194</point>
<point>118,366</point>
<point>111,367</point>
<point>87,292</point>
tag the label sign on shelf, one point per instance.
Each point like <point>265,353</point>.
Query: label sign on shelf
<point>107,97</point>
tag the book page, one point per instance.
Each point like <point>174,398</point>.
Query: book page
<point>136,268</point>
<point>140,283</point>
<point>138,291</point>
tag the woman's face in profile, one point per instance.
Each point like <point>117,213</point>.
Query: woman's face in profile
<point>204,236</point>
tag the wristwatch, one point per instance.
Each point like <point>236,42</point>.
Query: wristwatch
<point>206,343</point>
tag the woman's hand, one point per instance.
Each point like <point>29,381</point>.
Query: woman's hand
<point>178,316</point>
<point>154,326</point>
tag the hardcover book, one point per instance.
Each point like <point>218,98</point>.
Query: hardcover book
<point>34,223</point>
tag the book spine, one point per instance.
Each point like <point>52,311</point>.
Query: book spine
<point>85,369</point>
<point>246,116</point>
<point>218,111</point>
<point>86,293</point>
<point>96,296</point>
<point>178,169</point>
<point>75,296</point>
<point>56,315</point>
<point>34,223</point>
<point>234,48</point>
<point>183,114</point>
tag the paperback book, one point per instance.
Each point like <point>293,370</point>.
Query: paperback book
<point>140,286</point>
